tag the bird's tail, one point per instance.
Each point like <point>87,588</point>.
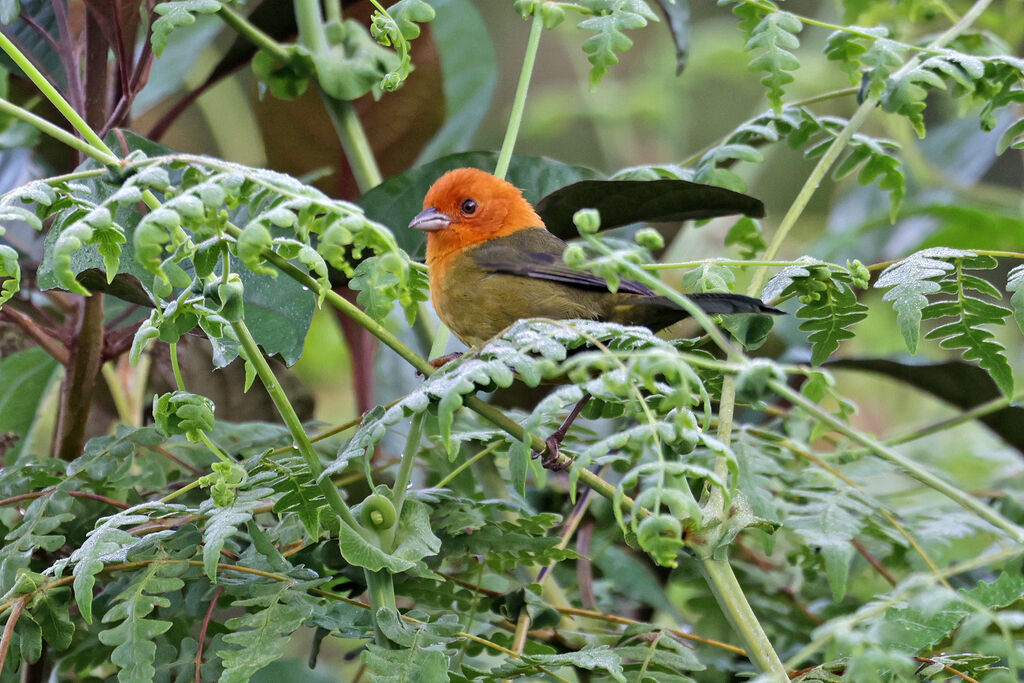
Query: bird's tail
<point>724,303</point>
<point>659,312</point>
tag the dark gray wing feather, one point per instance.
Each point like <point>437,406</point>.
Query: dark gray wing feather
<point>537,253</point>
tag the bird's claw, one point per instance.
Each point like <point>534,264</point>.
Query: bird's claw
<point>551,458</point>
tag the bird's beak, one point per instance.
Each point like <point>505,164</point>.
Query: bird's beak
<point>430,220</point>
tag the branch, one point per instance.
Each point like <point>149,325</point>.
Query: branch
<point>46,341</point>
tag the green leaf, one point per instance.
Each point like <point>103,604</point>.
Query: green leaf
<point>175,14</point>
<point>424,664</point>
<point>828,520</point>
<point>773,37</point>
<point>621,202</point>
<point>54,619</point>
<point>105,543</point>
<point>224,522</point>
<point>911,281</point>
<point>10,273</point>
<point>608,20</point>
<point>24,378</point>
<point>925,622</point>
<point>1015,284</point>
<point>600,658</point>
<point>414,536</point>
<point>134,637</point>
<point>678,14</point>
<point>261,635</point>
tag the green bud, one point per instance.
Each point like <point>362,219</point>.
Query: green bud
<point>587,221</point>
<point>574,256</point>
<point>816,286</point>
<point>650,238</point>
<point>230,294</point>
<point>552,15</point>
<point>391,82</point>
<point>661,536</point>
<point>335,31</point>
<point>820,272</point>
<point>525,7</point>
<point>180,412</point>
<point>377,512</point>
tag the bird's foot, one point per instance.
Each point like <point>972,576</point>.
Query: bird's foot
<point>442,360</point>
<point>551,458</point>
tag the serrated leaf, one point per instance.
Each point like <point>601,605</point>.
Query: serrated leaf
<point>260,635</point>
<point>911,280</point>
<point>600,658</point>
<point>774,36</point>
<point>1015,284</point>
<point>175,14</point>
<point>134,637</point>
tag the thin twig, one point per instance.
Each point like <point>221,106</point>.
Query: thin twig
<point>879,567</point>
<point>948,668</point>
<point>32,495</point>
<point>47,341</point>
<point>12,621</point>
<point>202,631</point>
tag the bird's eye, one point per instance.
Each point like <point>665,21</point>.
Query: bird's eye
<point>468,207</point>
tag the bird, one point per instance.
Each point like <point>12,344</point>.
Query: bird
<point>492,262</point>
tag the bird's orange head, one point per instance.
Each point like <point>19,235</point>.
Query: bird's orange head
<point>467,206</point>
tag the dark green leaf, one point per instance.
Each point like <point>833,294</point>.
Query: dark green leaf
<point>621,202</point>
<point>24,378</point>
<point>955,382</point>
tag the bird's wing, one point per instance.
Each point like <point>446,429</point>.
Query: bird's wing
<point>538,254</point>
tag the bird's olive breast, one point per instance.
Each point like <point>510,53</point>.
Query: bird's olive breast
<point>476,305</point>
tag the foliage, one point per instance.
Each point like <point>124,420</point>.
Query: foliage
<point>714,515</point>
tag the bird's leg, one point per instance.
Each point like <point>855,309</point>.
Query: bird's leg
<point>446,358</point>
<point>549,458</point>
<point>442,360</point>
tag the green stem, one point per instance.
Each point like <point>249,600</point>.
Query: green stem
<point>980,410</point>
<point>55,98</point>
<point>354,141</point>
<point>121,401</point>
<point>332,9</point>
<point>839,144</point>
<point>404,475</point>
<point>732,263</point>
<point>310,24</point>
<point>464,466</point>
<point>380,588</point>
<point>253,34</point>
<point>183,490</point>
<point>729,595</point>
<point>58,133</point>
<point>715,508</point>
<point>342,114</point>
<point>179,381</point>
<point>221,455</point>
<point>515,118</point>
<point>294,424</point>
<point>913,469</point>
